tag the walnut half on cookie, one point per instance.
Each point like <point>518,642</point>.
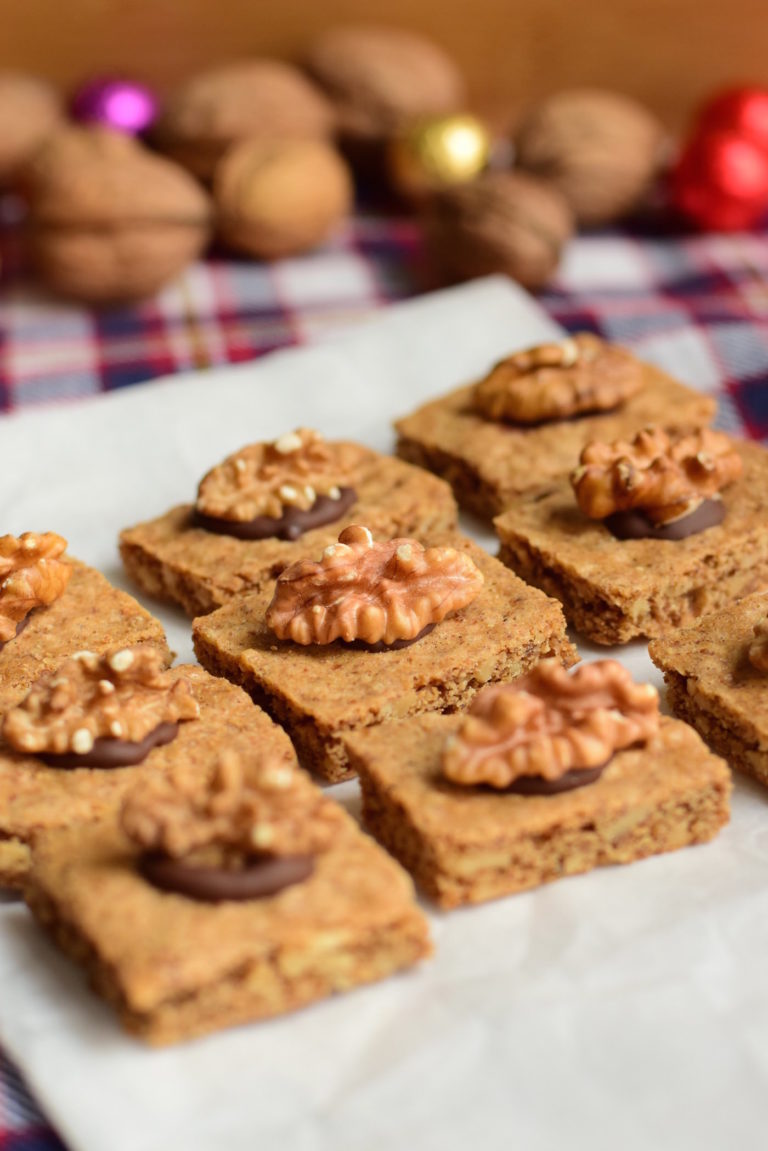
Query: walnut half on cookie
<point>550,723</point>
<point>264,479</point>
<point>372,592</point>
<point>123,695</point>
<point>556,381</point>
<point>666,476</point>
<point>32,575</point>
<point>238,809</point>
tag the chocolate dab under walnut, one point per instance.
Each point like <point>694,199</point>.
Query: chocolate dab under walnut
<point>371,592</point>
<point>551,730</point>
<point>101,711</point>
<point>32,575</point>
<point>657,485</point>
<point>244,831</point>
<point>559,380</point>
<point>282,489</point>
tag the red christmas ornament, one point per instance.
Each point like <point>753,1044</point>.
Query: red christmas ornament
<point>720,181</point>
<point>742,110</point>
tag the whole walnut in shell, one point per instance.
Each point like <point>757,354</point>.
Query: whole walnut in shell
<point>110,221</point>
<point>502,222</point>
<point>279,198</point>
<point>602,150</point>
<point>380,78</point>
<point>252,99</point>
<point>30,110</point>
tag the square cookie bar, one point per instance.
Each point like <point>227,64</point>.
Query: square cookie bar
<point>713,684</point>
<point>174,967</point>
<point>173,558</point>
<point>616,589</point>
<point>489,461</point>
<point>36,797</point>
<point>467,845</point>
<point>89,615</point>
<point>320,693</point>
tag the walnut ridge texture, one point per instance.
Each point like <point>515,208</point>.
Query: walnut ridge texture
<point>550,722</point>
<point>32,575</point>
<point>124,694</point>
<point>241,807</point>
<point>265,478</point>
<point>554,381</point>
<point>664,475</point>
<point>374,592</point>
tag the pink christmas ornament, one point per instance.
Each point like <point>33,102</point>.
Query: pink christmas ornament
<point>124,105</point>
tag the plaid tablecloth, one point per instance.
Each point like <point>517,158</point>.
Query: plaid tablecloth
<point>696,305</point>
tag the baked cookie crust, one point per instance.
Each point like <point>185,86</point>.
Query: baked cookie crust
<point>489,463</point>
<point>175,968</point>
<point>320,693</point>
<point>468,845</point>
<point>172,559</point>
<point>614,590</point>
<point>712,685</point>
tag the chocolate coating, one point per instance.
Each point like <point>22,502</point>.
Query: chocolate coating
<point>396,645</point>
<point>109,753</point>
<point>289,526</point>
<point>635,525</point>
<point>19,629</point>
<point>535,785</point>
<point>264,876</point>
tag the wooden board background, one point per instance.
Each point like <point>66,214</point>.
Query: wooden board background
<point>668,52</point>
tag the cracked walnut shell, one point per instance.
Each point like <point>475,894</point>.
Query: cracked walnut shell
<point>31,575</point>
<point>506,222</point>
<point>238,810</point>
<point>122,695</point>
<point>550,722</point>
<point>372,592</point>
<point>555,381</point>
<point>665,475</point>
<point>110,220</point>
<point>266,478</point>
<point>257,99</point>
<point>600,149</point>
<point>381,78</point>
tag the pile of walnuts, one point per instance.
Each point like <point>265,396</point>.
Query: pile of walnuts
<point>261,153</point>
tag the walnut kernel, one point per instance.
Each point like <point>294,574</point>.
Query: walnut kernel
<point>665,475</point>
<point>555,381</point>
<point>758,648</point>
<point>238,810</point>
<point>374,592</point>
<point>31,575</point>
<point>123,695</point>
<point>550,722</point>
<point>264,479</point>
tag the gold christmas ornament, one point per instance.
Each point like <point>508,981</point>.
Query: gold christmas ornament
<point>437,152</point>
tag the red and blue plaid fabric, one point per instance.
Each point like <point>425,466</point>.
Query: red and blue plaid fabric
<point>696,305</point>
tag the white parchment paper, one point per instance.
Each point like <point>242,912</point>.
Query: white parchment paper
<point>623,1009</point>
